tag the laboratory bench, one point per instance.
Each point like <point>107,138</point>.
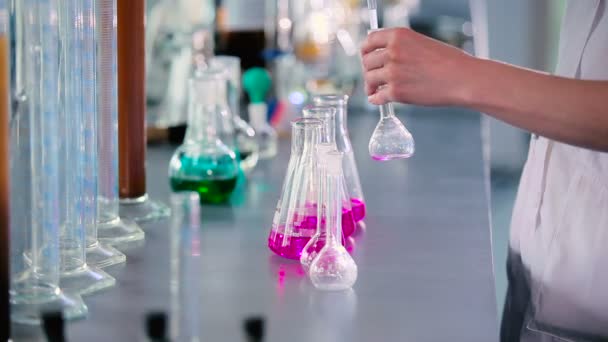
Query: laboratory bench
<point>424,257</point>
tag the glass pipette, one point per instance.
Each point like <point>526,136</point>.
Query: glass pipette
<point>390,140</point>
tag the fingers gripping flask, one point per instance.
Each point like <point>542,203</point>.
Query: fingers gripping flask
<point>295,219</point>
<point>204,162</point>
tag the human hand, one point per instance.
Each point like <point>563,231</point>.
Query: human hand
<point>401,65</point>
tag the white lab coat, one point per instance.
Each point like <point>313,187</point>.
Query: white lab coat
<point>560,219</point>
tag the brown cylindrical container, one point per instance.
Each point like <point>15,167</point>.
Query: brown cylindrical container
<point>4,193</point>
<point>131,98</point>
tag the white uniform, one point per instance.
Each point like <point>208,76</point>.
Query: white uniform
<point>560,220</point>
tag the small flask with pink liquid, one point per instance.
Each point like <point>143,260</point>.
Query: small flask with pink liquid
<point>295,218</point>
<point>342,140</point>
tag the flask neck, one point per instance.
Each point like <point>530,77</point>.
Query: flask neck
<point>387,110</point>
<point>203,111</point>
<point>333,208</point>
<point>202,124</point>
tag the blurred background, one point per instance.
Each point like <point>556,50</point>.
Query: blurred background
<point>310,49</point>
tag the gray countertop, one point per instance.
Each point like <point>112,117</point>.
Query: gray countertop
<point>424,260</point>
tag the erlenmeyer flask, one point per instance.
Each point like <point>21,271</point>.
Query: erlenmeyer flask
<point>328,143</point>
<point>36,135</point>
<point>295,219</point>
<point>224,119</point>
<point>333,268</point>
<point>390,140</point>
<point>349,165</point>
<point>112,229</point>
<point>245,134</point>
<point>204,163</point>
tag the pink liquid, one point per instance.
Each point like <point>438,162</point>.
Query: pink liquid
<point>293,245</point>
<point>291,248</point>
<point>358,209</point>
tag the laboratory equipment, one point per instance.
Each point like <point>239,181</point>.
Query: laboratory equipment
<point>327,143</point>
<point>204,162</point>
<point>257,82</point>
<point>4,175</point>
<point>185,284</point>
<point>295,218</point>
<point>254,328</point>
<point>35,257</point>
<point>134,201</point>
<point>390,139</point>
<point>245,134</point>
<point>178,34</point>
<point>333,268</point>
<point>53,326</point>
<point>80,252</point>
<point>317,241</point>
<point>156,327</point>
<point>349,167</point>
<point>112,229</point>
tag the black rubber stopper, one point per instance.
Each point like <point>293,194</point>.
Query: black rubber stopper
<point>254,328</point>
<point>53,326</point>
<point>156,326</point>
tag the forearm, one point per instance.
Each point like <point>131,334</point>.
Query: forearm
<point>567,110</point>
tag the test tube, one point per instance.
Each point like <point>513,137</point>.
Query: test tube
<point>4,176</point>
<point>35,257</point>
<point>185,259</point>
<point>112,229</point>
<point>80,250</point>
<point>135,203</point>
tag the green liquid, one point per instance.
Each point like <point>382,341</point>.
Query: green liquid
<point>210,191</point>
<point>214,177</point>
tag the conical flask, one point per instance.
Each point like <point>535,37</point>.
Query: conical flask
<point>349,167</point>
<point>224,121</point>
<point>204,162</point>
<point>245,134</point>
<point>390,140</point>
<point>295,219</point>
<point>333,268</point>
<point>328,143</point>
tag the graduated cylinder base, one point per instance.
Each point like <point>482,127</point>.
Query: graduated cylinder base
<point>100,255</point>
<point>86,280</point>
<point>27,307</point>
<point>143,209</point>
<point>119,231</point>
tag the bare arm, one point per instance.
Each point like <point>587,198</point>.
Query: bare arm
<point>401,65</point>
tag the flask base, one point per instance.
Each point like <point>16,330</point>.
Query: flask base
<point>86,280</point>
<point>29,311</point>
<point>143,209</point>
<point>100,255</point>
<point>119,231</point>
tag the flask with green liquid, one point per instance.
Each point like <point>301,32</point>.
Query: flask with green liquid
<point>205,162</point>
